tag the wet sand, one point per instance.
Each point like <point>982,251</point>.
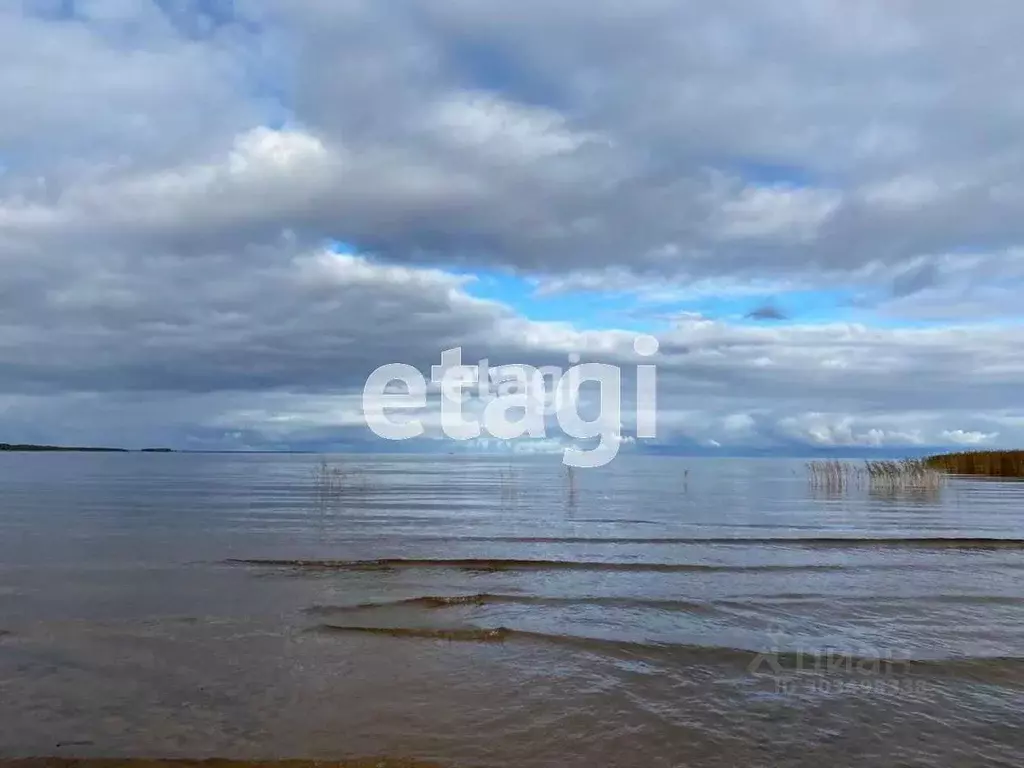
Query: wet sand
<point>66,762</point>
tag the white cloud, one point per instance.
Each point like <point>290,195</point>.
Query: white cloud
<point>502,131</point>
<point>782,211</point>
<point>961,437</point>
<point>171,179</point>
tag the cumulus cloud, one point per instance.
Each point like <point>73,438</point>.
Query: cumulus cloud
<point>216,221</point>
<point>968,438</point>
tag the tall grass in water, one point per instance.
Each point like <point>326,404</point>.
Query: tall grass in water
<point>570,484</point>
<point>905,474</point>
<point>333,483</point>
<point>985,463</point>
<point>509,483</point>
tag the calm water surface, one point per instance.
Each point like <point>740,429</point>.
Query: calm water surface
<point>481,612</point>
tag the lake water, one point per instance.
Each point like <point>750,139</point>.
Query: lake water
<point>487,612</point>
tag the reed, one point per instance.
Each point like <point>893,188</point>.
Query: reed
<point>509,483</point>
<point>984,463</point>
<point>333,483</point>
<point>570,484</point>
<point>901,474</point>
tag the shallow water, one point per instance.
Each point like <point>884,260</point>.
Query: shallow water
<point>482,612</point>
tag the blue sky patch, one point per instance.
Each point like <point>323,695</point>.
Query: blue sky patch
<point>628,310</point>
<point>594,310</point>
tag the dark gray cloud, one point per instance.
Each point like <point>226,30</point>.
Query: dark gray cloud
<point>767,312</point>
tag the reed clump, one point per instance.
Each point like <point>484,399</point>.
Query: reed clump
<point>333,483</point>
<point>984,463</point>
<point>902,474</point>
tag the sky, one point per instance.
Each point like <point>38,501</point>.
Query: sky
<point>218,218</point>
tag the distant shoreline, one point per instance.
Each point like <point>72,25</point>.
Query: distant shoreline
<point>31,448</point>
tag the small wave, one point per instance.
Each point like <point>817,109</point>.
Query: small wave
<point>528,565</point>
<point>614,521</point>
<point>756,661</point>
<point>486,598</point>
<point>438,602</point>
<point>917,599</point>
<point>427,601</point>
<point>964,599</point>
<point>505,634</point>
<point>850,542</point>
<point>794,541</point>
<point>496,635</point>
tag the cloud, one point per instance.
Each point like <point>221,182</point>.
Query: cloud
<point>767,312</point>
<point>116,84</point>
<point>434,144</point>
<point>214,223</point>
<point>969,438</point>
